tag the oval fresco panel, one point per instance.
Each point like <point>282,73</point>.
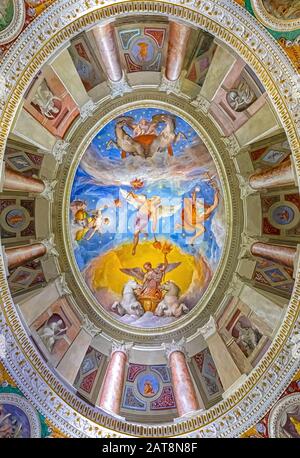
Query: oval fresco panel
<point>148,385</point>
<point>6,13</point>
<point>283,215</point>
<point>18,418</point>
<point>147,218</point>
<point>283,9</point>
<point>12,19</point>
<point>16,218</point>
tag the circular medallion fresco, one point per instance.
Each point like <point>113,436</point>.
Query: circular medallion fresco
<point>16,218</point>
<point>6,13</point>
<point>283,9</point>
<point>18,419</point>
<point>12,18</point>
<point>278,14</point>
<point>143,50</point>
<point>147,222</point>
<point>148,385</point>
<point>283,215</point>
<point>284,419</point>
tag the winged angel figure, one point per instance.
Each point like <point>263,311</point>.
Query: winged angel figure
<point>148,209</point>
<point>147,296</point>
<point>151,278</point>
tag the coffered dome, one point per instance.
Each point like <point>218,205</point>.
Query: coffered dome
<point>150,219</point>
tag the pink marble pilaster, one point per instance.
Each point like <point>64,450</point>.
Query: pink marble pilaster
<point>281,254</point>
<point>178,40</point>
<point>184,391</point>
<point>16,181</point>
<point>280,175</point>
<point>20,255</point>
<point>108,49</point>
<point>112,388</point>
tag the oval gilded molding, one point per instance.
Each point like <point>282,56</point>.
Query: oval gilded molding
<point>267,381</point>
<point>271,21</point>
<point>21,403</point>
<point>277,419</point>
<point>231,201</point>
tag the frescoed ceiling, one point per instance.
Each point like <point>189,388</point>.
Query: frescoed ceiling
<point>134,165</point>
<point>149,216</point>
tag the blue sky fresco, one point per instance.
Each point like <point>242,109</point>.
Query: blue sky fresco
<point>86,187</point>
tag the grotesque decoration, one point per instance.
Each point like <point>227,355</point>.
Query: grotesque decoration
<point>52,331</point>
<point>48,104</point>
<point>240,99</point>
<point>248,338</point>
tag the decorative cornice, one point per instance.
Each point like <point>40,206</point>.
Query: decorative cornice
<point>89,327</point>
<point>235,286</point>
<point>48,192</point>
<point>121,347</point>
<point>59,150</point>
<point>119,88</point>
<point>62,286</point>
<point>246,189</point>
<point>50,246</point>
<point>172,87</point>
<point>269,379</point>
<point>295,346</point>
<point>173,346</point>
<point>232,145</point>
<point>296,85</point>
<point>201,103</point>
<point>3,90</point>
<point>87,109</point>
<point>209,329</point>
<point>247,242</point>
<point>2,346</point>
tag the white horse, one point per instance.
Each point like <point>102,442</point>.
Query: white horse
<point>129,304</point>
<point>170,305</point>
<point>167,136</point>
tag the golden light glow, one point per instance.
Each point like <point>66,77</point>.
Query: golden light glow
<point>105,270</point>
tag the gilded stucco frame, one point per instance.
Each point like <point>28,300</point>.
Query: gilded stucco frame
<point>14,28</point>
<point>270,21</point>
<point>232,208</point>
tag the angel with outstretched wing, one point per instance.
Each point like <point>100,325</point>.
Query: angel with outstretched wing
<point>151,277</point>
<point>148,209</point>
<point>135,272</point>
